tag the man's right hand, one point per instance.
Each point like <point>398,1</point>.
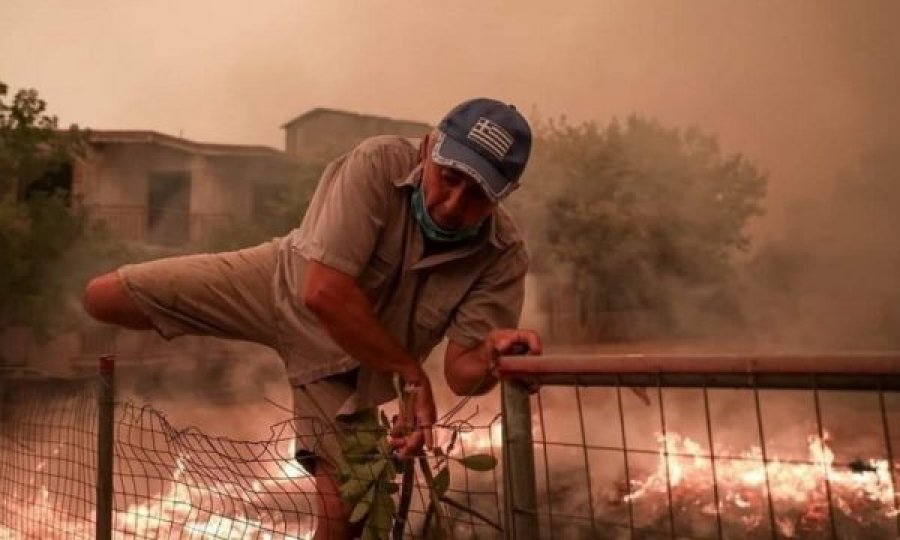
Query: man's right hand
<point>346,313</point>
<point>414,426</point>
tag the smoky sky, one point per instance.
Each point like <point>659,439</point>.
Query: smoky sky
<point>803,88</point>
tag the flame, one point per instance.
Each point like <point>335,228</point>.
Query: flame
<point>186,509</point>
<point>745,483</point>
<point>480,440</point>
<point>175,507</point>
<point>799,492</point>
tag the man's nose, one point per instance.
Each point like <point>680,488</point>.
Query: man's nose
<point>455,201</point>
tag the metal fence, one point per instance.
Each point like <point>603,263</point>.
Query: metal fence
<point>702,446</point>
<point>598,446</point>
<point>76,462</point>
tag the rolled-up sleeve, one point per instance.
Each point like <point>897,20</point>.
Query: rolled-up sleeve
<point>346,215</point>
<point>495,301</point>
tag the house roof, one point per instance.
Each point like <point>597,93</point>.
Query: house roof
<point>324,110</point>
<point>209,149</point>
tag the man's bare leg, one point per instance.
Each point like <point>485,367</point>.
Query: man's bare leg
<point>106,299</point>
<point>332,521</point>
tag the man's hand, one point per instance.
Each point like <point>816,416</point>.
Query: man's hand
<point>347,315</point>
<point>509,341</point>
<point>414,426</point>
<point>471,371</point>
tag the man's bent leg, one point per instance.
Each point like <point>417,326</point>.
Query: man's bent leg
<point>333,518</point>
<point>318,442</point>
<point>106,299</point>
<point>225,295</point>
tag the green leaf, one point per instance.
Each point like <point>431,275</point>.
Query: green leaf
<point>362,507</point>
<point>372,533</point>
<point>353,489</point>
<point>381,515</point>
<point>441,482</point>
<point>344,471</point>
<point>359,443</point>
<point>478,462</point>
<point>369,470</point>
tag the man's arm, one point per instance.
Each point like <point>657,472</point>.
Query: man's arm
<point>469,371</point>
<point>347,315</point>
<point>484,324</point>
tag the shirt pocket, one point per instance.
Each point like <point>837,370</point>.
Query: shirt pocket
<point>440,296</point>
<point>377,274</point>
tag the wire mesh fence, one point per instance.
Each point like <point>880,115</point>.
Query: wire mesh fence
<point>714,447</point>
<point>47,458</point>
<point>168,482</point>
<point>592,447</point>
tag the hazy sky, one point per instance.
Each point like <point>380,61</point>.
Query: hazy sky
<point>802,87</point>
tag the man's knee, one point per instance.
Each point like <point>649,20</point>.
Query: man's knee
<point>106,300</point>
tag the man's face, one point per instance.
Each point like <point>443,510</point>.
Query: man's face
<point>454,199</point>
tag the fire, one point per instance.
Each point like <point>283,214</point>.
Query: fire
<point>175,509</point>
<point>799,491</point>
<point>186,509</point>
<point>481,440</point>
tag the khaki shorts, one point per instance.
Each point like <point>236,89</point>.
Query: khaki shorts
<point>229,295</point>
<point>225,295</point>
<point>318,426</point>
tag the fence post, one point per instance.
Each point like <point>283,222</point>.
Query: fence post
<point>105,438</point>
<point>518,463</point>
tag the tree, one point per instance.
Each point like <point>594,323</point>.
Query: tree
<point>32,148</point>
<point>642,218</point>
<point>47,247</point>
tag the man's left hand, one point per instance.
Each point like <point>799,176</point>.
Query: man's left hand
<point>513,341</point>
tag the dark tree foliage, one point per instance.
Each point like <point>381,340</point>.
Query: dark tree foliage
<point>47,248</point>
<point>32,147</point>
<point>638,217</point>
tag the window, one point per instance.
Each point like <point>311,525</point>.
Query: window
<point>168,208</point>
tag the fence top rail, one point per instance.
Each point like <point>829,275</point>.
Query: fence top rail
<point>863,370</point>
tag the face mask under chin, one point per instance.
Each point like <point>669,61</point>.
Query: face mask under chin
<point>432,230</point>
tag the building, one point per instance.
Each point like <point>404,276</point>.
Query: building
<point>164,194</point>
<point>157,189</point>
<point>322,134</point>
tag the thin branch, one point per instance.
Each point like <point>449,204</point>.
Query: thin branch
<point>406,491</point>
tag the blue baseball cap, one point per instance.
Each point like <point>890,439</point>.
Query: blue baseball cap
<point>488,140</point>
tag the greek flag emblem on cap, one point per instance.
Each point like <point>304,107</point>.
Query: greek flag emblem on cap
<point>490,136</point>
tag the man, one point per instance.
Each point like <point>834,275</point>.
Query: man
<point>402,245</point>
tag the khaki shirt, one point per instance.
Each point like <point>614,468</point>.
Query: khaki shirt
<point>360,222</point>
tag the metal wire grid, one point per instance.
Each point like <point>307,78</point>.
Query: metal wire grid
<point>176,484</point>
<point>472,504</point>
<point>172,483</point>
<point>598,452</point>
<point>47,458</point>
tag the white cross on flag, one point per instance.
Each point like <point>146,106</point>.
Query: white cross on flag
<point>490,136</point>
